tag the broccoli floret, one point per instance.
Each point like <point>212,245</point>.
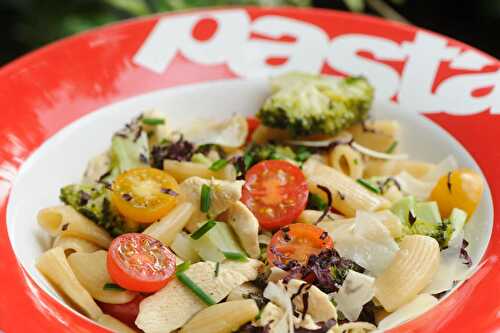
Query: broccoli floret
<point>306,104</point>
<point>93,201</point>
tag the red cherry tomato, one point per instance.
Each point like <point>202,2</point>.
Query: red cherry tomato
<point>276,192</point>
<point>126,313</point>
<point>253,123</point>
<point>139,262</point>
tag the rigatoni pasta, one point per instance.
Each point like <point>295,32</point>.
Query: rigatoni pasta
<point>346,160</point>
<point>72,244</point>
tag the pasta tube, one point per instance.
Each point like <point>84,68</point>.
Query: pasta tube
<point>72,244</point>
<point>348,196</point>
<point>66,221</point>
<point>169,226</point>
<point>91,270</point>
<point>184,170</point>
<point>222,318</point>
<point>346,160</point>
<point>54,266</point>
<point>417,169</point>
<point>377,135</point>
<point>412,269</point>
<point>114,324</point>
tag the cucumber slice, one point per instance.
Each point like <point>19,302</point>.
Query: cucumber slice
<point>212,245</point>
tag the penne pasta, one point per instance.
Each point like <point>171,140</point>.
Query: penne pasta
<point>72,244</point>
<point>348,196</point>
<point>377,135</point>
<point>55,267</point>
<point>311,216</point>
<point>411,270</point>
<point>417,169</point>
<point>91,270</point>
<point>66,221</point>
<point>170,225</point>
<point>114,324</point>
<point>182,170</point>
<point>346,160</point>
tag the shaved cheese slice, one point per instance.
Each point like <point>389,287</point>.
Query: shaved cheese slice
<point>421,188</point>
<point>377,154</point>
<point>357,290</point>
<point>278,295</point>
<point>367,242</point>
<point>451,267</point>
<point>230,133</point>
<point>419,305</point>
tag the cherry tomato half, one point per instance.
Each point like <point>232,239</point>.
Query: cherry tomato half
<point>276,193</point>
<point>253,123</point>
<point>139,262</point>
<point>144,194</point>
<point>126,313</point>
<point>297,241</point>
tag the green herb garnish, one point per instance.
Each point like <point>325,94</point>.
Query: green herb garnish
<point>183,267</point>
<point>235,256</point>
<point>203,229</point>
<point>218,165</point>
<point>368,185</point>
<point>217,267</point>
<point>185,280</point>
<point>205,198</point>
<point>315,202</point>
<point>392,147</point>
<point>112,286</point>
<point>153,121</point>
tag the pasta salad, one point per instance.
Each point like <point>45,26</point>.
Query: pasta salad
<point>306,217</point>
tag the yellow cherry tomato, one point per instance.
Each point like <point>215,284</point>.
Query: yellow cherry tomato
<point>144,194</point>
<point>461,188</point>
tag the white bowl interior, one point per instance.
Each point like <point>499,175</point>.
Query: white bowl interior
<point>62,159</point>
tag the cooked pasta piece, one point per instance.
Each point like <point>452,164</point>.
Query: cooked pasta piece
<point>170,225</point>
<point>66,221</point>
<point>378,135</point>
<point>411,270</point>
<point>183,170</point>
<point>346,160</point>
<point>222,318</point>
<point>54,266</point>
<point>355,327</point>
<point>419,305</point>
<point>72,244</point>
<point>417,169</point>
<point>91,270</point>
<point>348,195</point>
<point>310,216</point>
<point>114,324</point>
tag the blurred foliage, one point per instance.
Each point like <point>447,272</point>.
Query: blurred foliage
<point>28,24</point>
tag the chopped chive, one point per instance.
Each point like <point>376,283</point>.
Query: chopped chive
<point>218,165</point>
<point>153,121</point>
<point>368,185</point>
<point>185,280</point>
<point>315,202</point>
<point>392,147</point>
<point>183,267</point>
<point>355,161</point>
<point>205,198</point>
<point>217,267</point>
<point>235,256</point>
<point>203,229</point>
<point>112,286</point>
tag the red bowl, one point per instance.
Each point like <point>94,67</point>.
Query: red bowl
<point>453,84</point>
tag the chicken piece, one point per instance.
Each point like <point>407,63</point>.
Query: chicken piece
<point>319,306</point>
<point>223,194</point>
<point>242,291</point>
<point>171,307</point>
<point>246,227</point>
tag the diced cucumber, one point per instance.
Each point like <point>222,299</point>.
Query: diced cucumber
<point>217,240</point>
<point>402,208</point>
<point>428,211</point>
<point>457,220</point>
<point>184,248</point>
